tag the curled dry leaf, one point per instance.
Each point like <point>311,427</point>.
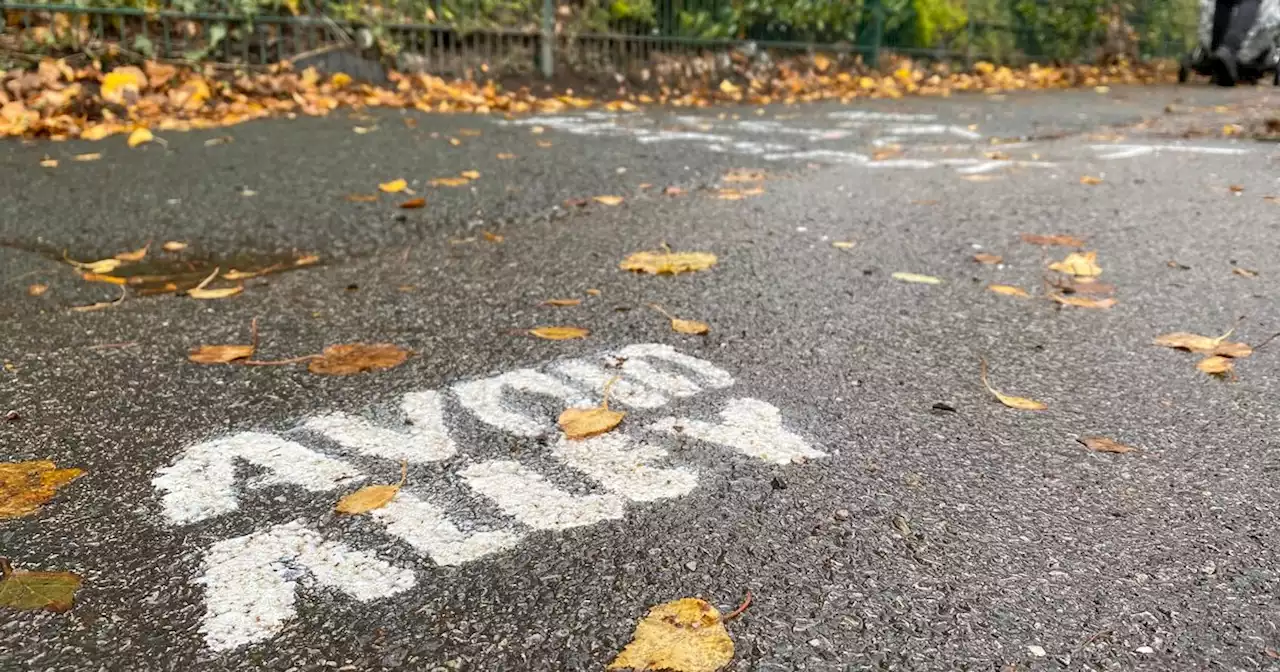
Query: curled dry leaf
<point>51,591</point>
<point>1105,445</point>
<point>685,635</point>
<point>559,333</point>
<point>362,198</point>
<point>1057,239</point>
<point>372,497</point>
<point>1216,365</point>
<point>1008,290</point>
<point>1079,264</point>
<point>1083,302</point>
<point>173,246</point>
<point>690,326</point>
<point>843,244</point>
<point>219,354</point>
<point>349,358</point>
<point>101,266</point>
<point>1244,272</point>
<point>470,174</point>
<point>88,156</point>
<point>212,294</point>
<point>25,486</point>
<point>36,289</point>
<point>505,156</point>
<point>1089,179</point>
<point>449,182</point>
<point>134,255</point>
<point>140,136</point>
<point>670,263</point>
<point>583,423</point>
<point>608,200</point>
<point>394,186</point>
<point>1181,340</point>
<point>917,278</point>
<point>984,258</point>
<point>562,302</point>
<point>414,203</point>
<point>492,237</point>
<point>1019,403</point>
<point>48,163</point>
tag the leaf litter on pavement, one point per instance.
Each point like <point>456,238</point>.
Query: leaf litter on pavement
<point>681,326</point>
<point>372,497</point>
<point>26,486</point>
<point>667,262</point>
<point>27,590</point>
<point>1020,403</point>
<point>684,635</point>
<point>1219,354</point>
<point>583,423</point>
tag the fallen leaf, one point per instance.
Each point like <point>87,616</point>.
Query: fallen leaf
<point>90,156</point>
<point>1058,239</point>
<point>344,359</point>
<point>102,305</point>
<point>685,635</point>
<point>582,423</point>
<point>607,200</point>
<point>394,186</point>
<point>449,182</point>
<point>1105,445</point>
<point>672,263</point>
<point>729,87</point>
<point>562,302</point>
<point>209,294</point>
<point>1174,264</point>
<point>1083,302</point>
<point>537,130</point>
<point>1181,340</point>
<point>916,277</point>
<point>884,153</point>
<point>559,333</point>
<point>843,244</point>
<point>307,260</point>
<point>492,237</point>
<point>1216,365</point>
<point>1019,403</point>
<point>1235,188</point>
<point>984,258</point>
<point>414,203</point>
<point>594,292</point>
<point>672,190</point>
<point>362,198</point>
<point>140,136</point>
<point>37,289</point>
<point>545,143</point>
<point>100,266</point>
<point>98,277</point>
<point>49,163</point>
<point>1008,290</point>
<point>455,142</point>
<point>1078,264</point>
<point>744,175</point>
<point>996,155</point>
<point>372,497</point>
<point>219,354</point>
<point>469,132</point>
<point>1089,179</point>
<point>25,486</point>
<point>51,591</point>
<point>470,174</point>
<point>689,326</point>
<point>134,255</point>
<point>410,122</point>
<point>505,156</point>
<point>1244,272</point>
<point>361,130</point>
<point>173,246</point>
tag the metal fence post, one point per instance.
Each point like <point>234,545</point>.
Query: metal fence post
<point>968,46</point>
<point>872,46</point>
<point>546,65</point>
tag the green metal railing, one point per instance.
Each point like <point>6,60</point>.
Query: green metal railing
<point>479,37</point>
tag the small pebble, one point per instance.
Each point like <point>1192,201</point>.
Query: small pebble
<point>1037,651</point>
<point>842,514</point>
<point>1145,649</point>
<point>691,565</point>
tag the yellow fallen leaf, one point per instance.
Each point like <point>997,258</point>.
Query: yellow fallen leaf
<point>744,175</point>
<point>1181,340</point>
<point>372,497</point>
<point>843,244</point>
<point>98,277</point>
<point>219,354</point>
<point>672,263</point>
<point>1008,290</point>
<point>1057,239</point>
<point>1089,179</point>
<point>449,182</point>
<point>394,186</point>
<point>1244,272</point>
<point>492,237</point>
<point>209,294</point>
<point>1216,365</point>
<point>729,87</point>
<point>562,302</point>
<point>345,359</point>
<point>414,203</point>
<point>1105,445</point>
<point>99,131</point>
<point>916,277</point>
<point>25,486</point>
<point>173,246</point>
<point>582,423</point>
<point>339,79</point>
<point>455,142</point>
<point>594,292</point>
<point>821,62</point>
<point>134,255</point>
<point>689,326</point>
<point>470,174</point>
<point>89,156</point>
<point>559,333</point>
<point>607,200</point>
<point>140,136</point>
<point>1078,264</point>
<point>1019,403</point>
<point>685,635</point>
<point>537,130</point>
<point>984,258</point>
<point>505,156</point>
<point>100,266</point>
<point>49,163</point>
<point>37,289</point>
<point>51,591</point>
<point>123,85</point>
<point>1083,301</point>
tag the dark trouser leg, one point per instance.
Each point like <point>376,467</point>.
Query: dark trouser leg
<point>1245,15</point>
<point>1222,11</point>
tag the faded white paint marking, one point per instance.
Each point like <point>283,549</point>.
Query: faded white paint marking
<point>624,466</point>
<point>683,136</point>
<point>594,376</point>
<point>865,115</point>
<point>933,129</point>
<point>831,155</point>
<point>251,582</point>
<point>485,398</point>
<point>902,163</point>
<point>426,439</point>
<point>526,496</point>
<point>201,484</point>
<point>750,426</point>
<point>425,527</point>
<point>778,128</point>
<point>637,365</point>
<point>1128,151</point>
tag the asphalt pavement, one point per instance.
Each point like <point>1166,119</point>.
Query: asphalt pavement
<point>828,447</point>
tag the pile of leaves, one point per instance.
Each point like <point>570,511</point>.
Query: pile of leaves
<point>59,100</point>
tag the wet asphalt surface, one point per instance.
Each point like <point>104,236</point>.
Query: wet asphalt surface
<point>982,538</point>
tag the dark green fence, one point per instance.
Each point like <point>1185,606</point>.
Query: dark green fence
<point>479,37</point>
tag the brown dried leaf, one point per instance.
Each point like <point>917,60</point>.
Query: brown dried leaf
<point>559,333</point>
<point>1019,403</point>
<point>1235,188</point>
<point>414,203</point>
<point>1089,179</point>
<point>394,186</point>
<point>884,153</point>
<point>174,246</point>
<point>349,358</point>
<point>1216,365</point>
<point>1008,290</point>
<point>36,289</point>
<point>1078,264</point>
<point>672,190</point>
<point>219,354</point>
<point>984,258</point>
<point>608,200</point>
<point>685,635</point>
<point>562,302</point>
<point>492,237</point>
<point>372,497</point>
<point>505,156</point>
<point>25,486</point>
<point>582,423</point>
<point>672,263</point>
<point>1105,445</point>
<point>1084,302</point>
<point>1058,239</point>
<point>1244,272</point>
<point>134,255</point>
<point>211,294</point>
<point>449,182</point>
<point>689,326</point>
<point>594,292</point>
<point>51,591</point>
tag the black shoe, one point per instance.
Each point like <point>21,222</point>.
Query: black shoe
<point>1226,70</point>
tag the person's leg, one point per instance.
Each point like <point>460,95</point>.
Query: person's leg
<point>1242,20</point>
<point>1222,11</point>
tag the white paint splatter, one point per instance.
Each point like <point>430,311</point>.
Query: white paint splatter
<point>426,527</point>
<point>594,376</point>
<point>426,439</point>
<point>485,398</point>
<point>624,466</point>
<point>251,581</point>
<point>637,366</point>
<point>201,484</point>
<point>527,496</point>
<point>750,426</point>
<point>1110,152</point>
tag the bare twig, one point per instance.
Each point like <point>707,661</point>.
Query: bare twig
<point>737,612</point>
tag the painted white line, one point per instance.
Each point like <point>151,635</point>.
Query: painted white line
<point>683,136</point>
<point>637,363</point>
<point>624,466</point>
<point>425,440</point>
<point>526,496</point>
<point>425,527</point>
<point>902,163</point>
<point>864,115</point>
<point>594,376</point>
<point>201,484</point>
<point>485,398</point>
<point>778,128</point>
<point>1126,151</point>
<point>829,155</point>
<point>751,427</point>
<point>250,582</point>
